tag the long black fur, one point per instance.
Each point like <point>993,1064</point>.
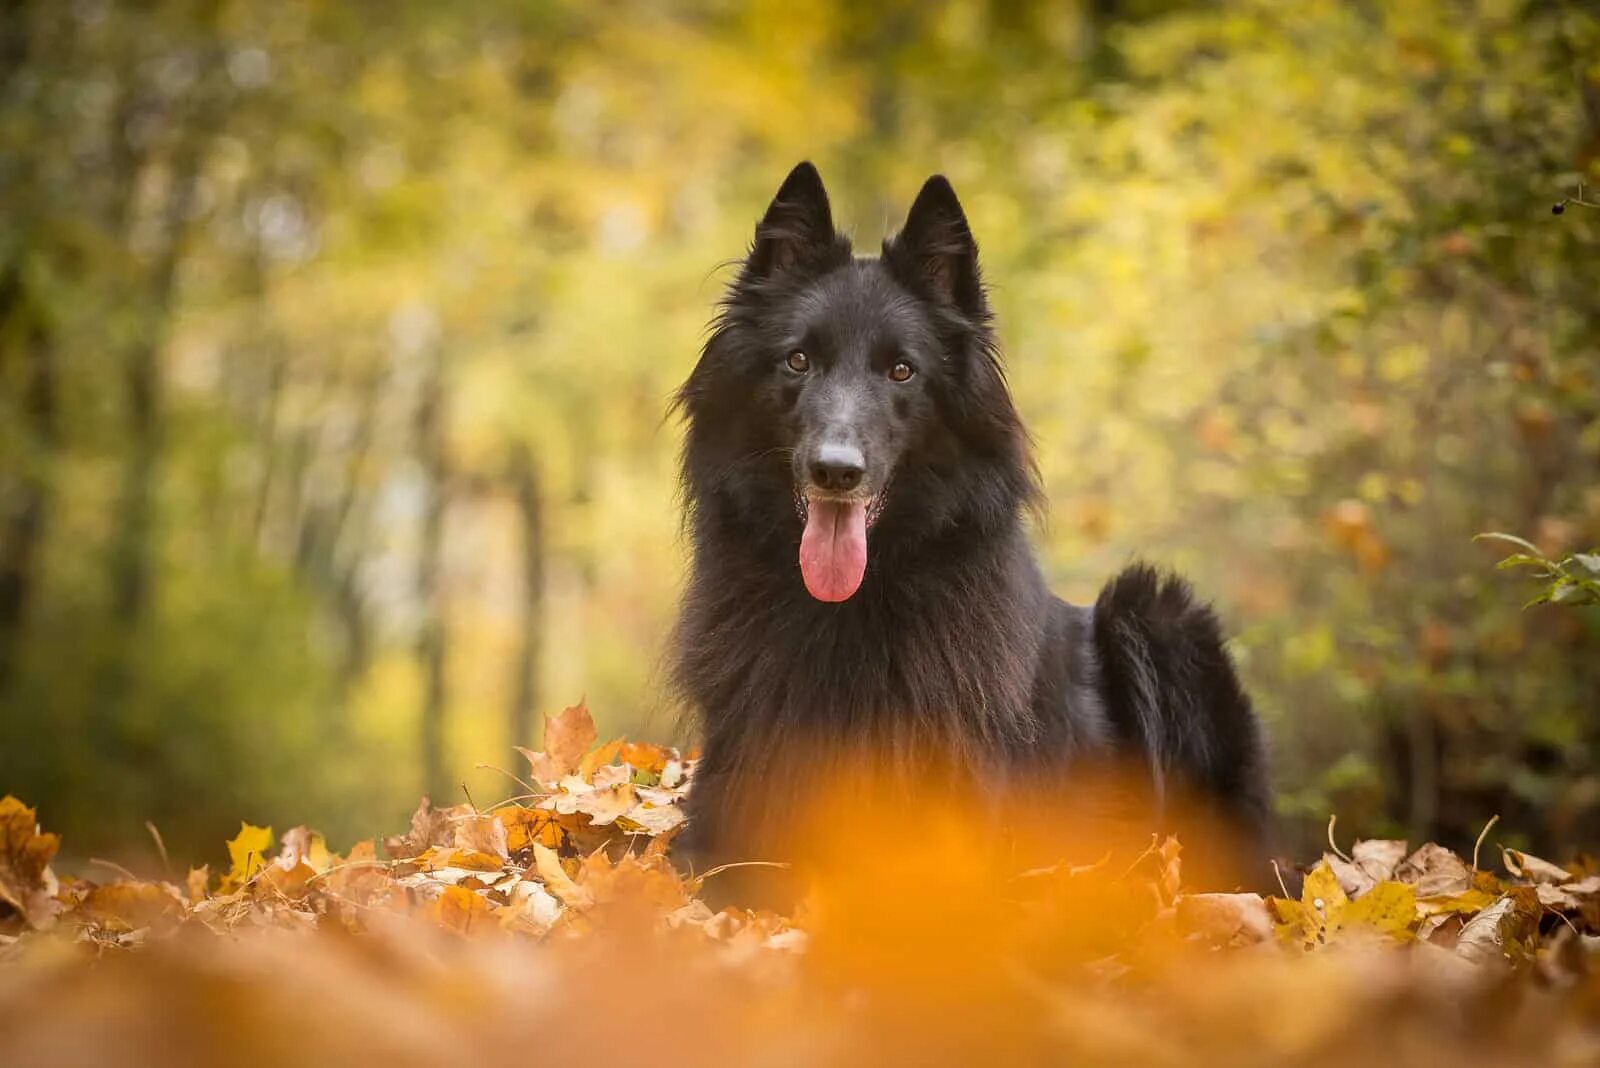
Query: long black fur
<point>952,654</point>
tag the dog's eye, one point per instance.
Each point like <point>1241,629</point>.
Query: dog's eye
<point>798,362</point>
<point>901,372</point>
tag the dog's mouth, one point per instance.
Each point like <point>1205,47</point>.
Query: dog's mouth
<point>833,546</point>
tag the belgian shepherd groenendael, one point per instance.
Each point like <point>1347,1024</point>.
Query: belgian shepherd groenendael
<point>856,476</point>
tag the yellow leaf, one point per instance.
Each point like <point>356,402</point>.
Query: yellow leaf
<point>1321,899</point>
<point>1388,907</point>
<point>247,852</point>
<point>525,826</point>
<point>1474,900</point>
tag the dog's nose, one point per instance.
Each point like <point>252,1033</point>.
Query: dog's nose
<point>838,468</point>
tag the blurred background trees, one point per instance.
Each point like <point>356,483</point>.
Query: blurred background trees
<point>335,342</point>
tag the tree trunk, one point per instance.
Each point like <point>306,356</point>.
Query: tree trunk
<point>525,485</point>
<point>23,527</point>
<point>431,636</point>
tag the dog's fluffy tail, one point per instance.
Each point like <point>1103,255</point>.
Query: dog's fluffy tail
<point>1175,701</point>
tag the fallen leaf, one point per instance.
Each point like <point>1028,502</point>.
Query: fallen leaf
<point>1224,919</point>
<point>1324,909</point>
<point>1503,930</point>
<point>604,806</point>
<point>302,844</point>
<point>1532,868</point>
<point>481,833</point>
<point>525,826</point>
<point>547,865</point>
<point>649,759</point>
<point>26,882</point>
<point>429,827</point>
<point>597,758</point>
<point>1465,903</point>
<point>1435,872</point>
<point>461,911</point>
<point>653,819</point>
<point>567,738</point>
<point>1389,908</point>
<point>247,852</point>
<point>532,908</point>
<point>130,905</point>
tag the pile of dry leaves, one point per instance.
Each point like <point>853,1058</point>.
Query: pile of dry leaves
<point>557,926</point>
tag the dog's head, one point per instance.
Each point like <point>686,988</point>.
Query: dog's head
<point>834,387</point>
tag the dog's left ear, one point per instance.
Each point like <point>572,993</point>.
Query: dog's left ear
<point>934,253</point>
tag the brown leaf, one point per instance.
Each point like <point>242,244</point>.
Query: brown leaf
<point>604,806</point>
<point>1378,857</point>
<point>1532,868</point>
<point>429,827</point>
<point>197,885</point>
<point>288,882</point>
<point>360,877</point>
<point>26,882</point>
<point>547,865</point>
<point>1225,919</point>
<point>130,905</point>
<point>567,737</point>
<point>300,844</point>
<point>1504,929</point>
<point>1571,897</point>
<point>1435,872</point>
<point>482,834</point>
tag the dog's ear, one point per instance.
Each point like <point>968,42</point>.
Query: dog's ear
<point>935,254</point>
<point>797,227</point>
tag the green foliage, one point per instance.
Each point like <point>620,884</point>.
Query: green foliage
<point>1573,580</point>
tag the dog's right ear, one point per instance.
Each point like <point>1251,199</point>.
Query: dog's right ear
<point>797,227</point>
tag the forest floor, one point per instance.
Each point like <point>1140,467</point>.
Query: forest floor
<point>554,927</point>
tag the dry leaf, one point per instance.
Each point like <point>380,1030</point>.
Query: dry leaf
<point>482,834</point>
<point>1435,872</point>
<point>247,854</point>
<point>567,738</point>
<point>1502,930</point>
<point>461,911</point>
<point>129,906</point>
<point>1225,919</point>
<point>1532,868</point>
<point>26,882</point>
<point>649,759</point>
<point>596,758</point>
<point>547,865</point>
<point>525,826</point>
<point>604,806</point>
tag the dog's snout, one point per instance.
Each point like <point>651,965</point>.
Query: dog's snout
<point>838,468</point>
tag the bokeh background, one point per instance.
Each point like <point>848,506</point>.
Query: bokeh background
<point>336,341</point>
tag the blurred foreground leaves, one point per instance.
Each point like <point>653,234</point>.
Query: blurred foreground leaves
<point>556,926</point>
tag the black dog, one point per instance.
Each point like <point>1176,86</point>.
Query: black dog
<point>855,475</point>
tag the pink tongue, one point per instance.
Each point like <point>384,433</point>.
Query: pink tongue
<point>833,549</point>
